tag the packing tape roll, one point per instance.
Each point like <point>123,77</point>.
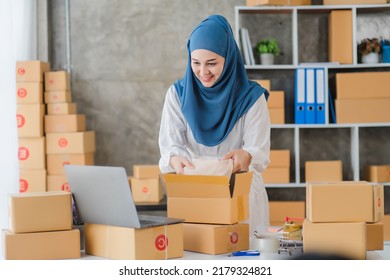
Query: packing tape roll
<point>266,245</point>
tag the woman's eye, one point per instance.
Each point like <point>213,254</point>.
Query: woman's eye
<point>211,64</point>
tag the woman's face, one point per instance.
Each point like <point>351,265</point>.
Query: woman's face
<point>207,66</point>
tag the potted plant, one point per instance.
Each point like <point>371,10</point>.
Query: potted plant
<point>369,50</point>
<point>267,49</point>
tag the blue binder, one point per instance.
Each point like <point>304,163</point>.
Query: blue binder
<point>320,95</point>
<point>300,96</point>
<point>310,109</point>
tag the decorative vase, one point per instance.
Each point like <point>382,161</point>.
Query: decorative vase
<point>370,58</point>
<point>267,58</point>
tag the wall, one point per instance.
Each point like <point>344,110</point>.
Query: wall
<point>125,55</point>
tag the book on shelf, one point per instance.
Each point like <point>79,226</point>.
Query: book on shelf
<point>246,47</point>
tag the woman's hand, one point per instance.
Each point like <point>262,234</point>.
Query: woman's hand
<point>178,163</point>
<point>241,160</point>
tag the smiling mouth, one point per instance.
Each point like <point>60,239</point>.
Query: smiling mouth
<point>206,79</point>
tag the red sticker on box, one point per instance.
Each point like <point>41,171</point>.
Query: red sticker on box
<point>23,153</point>
<point>161,242</point>
<point>23,185</point>
<point>20,120</point>
<point>21,71</point>
<point>65,187</point>
<point>22,92</point>
<point>145,189</point>
<point>65,163</point>
<point>233,237</point>
<point>63,142</point>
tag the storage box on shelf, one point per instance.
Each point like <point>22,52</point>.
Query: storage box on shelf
<point>300,31</point>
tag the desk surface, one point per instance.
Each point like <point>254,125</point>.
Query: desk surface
<point>370,255</point>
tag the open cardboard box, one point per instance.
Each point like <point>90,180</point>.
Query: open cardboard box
<point>208,199</point>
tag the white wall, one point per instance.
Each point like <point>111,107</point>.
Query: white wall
<point>18,42</point>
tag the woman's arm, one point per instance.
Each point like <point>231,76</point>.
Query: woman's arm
<point>257,133</point>
<point>172,137</point>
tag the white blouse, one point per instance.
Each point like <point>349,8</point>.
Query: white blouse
<point>251,133</point>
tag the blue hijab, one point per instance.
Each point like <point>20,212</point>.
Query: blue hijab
<point>212,112</point>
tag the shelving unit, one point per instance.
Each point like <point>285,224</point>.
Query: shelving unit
<point>302,34</point>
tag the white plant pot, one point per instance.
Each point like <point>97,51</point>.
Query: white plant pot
<point>267,58</point>
<point>370,58</point>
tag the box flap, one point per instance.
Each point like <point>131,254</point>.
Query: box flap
<point>241,183</point>
<point>195,186</point>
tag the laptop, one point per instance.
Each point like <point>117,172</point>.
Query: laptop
<point>102,195</point>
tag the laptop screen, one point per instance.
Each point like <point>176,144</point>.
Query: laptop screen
<point>102,195</point>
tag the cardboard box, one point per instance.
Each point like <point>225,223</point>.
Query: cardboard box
<point>276,99</point>
<point>31,70</point>
<point>57,80</point>
<point>356,85</point>
<point>146,190</point>
<point>56,162</point>
<point>61,108</point>
<point>57,183</point>
<point>377,173</point>
<point>353,2</point>
<point>59,96</point>
<point>279,210</point>
<point>278,2</point>
<point>362,110</point>
<point>276,175</point>
<point>65,123</point>
<point>386,227</point>
<point>32,180</point>
<point>29,93</point>
<point>40,211</point>
<point>146,171</point>
<point>375,240</point>
<point>70,142</point>
<point>340,36</point>
<point>152,243</point>
<point>279,158</point>
<point>208,199</point>
<point>343,239</point>
<point>323,171</point>
<point>30,120</point>
<point>276,115</point>
<point>31,153</point>
<point>344,202</point>
<point>215,239</point>
<point>265,84</point>
<point>50,245</point>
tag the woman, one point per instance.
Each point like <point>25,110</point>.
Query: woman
<point>215,111</point>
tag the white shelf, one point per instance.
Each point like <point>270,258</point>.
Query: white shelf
<point>248,17</point>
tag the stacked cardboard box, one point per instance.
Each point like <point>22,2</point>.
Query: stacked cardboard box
<point>340,37</point>
<point>323,171</point>
<point>41,227</point>
<point>213,209</point>
<point>377,173</point>
<point>30,114</point>
<point>278,170</point>
<point>343,218</point>
<point>275,103</point>
<point>280,210</point>
<point>354,105</point>
<point>145,184</point>
<point>67,141</point>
